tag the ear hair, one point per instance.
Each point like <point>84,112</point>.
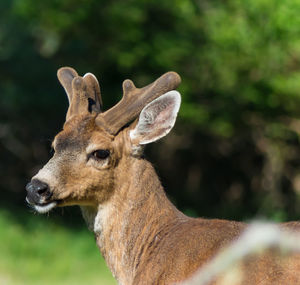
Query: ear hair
<point>156,119</point>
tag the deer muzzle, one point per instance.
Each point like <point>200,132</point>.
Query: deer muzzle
<point>39,196</point>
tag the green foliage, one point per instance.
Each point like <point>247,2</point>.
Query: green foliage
<point>42,252</point>
<point>234,58</point>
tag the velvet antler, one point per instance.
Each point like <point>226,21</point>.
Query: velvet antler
<point>134,100</point>
<point>84,97</point>
<point>83,92</point>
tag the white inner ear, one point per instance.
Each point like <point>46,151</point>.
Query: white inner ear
<point>157,118</point>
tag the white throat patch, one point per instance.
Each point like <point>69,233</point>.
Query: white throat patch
<point>94,218</point>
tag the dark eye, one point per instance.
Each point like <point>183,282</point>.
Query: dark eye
<point>100,154</point>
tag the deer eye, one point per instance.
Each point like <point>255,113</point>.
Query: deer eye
<point>100,154</point>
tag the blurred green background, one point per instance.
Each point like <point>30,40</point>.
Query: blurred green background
<point>234,152</point>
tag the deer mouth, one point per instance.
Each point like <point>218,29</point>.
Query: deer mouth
<point>42,208</point>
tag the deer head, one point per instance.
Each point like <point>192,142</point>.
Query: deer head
<point>94,143</point>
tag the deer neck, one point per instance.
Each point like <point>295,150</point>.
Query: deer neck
<point>132,219</point>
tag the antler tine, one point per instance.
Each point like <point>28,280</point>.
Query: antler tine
<point>134,99</point>
<point>65,76</point>
<point>83,92</point>
<point>79,103</point>
<point>93,91</point>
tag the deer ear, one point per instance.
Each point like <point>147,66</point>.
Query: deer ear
<point>156,119</point>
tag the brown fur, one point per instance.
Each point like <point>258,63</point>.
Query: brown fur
<point>142,236</point>
<point>154,243</point>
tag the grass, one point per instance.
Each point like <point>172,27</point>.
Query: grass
<point>35,249</point>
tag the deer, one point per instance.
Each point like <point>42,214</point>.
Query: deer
<point>98,164</point>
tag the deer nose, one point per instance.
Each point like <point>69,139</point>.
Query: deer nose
<point>38,192</point>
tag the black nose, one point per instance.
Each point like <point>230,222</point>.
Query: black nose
<point>38,192</point>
